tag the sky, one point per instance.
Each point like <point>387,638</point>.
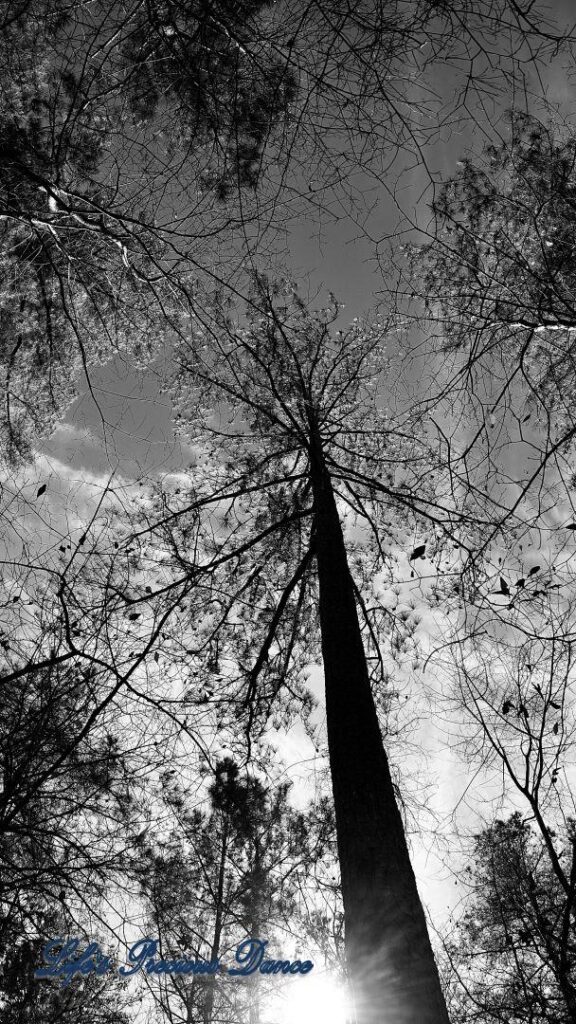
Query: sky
<point>124,423</point>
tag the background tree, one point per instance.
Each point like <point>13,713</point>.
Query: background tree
<point>27,1000</point>
<point>233,870</point>
<point>512,956</point>
<point>79,728</point>
<point>202,103</point>
<point>499,286</point>
<point>505,230</point>
<point>306,432</point>
<point>512,953</point>
<point>95,102</point>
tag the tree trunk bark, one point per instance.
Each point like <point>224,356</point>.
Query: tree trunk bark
<point>208,1008</point>
<point>391,965</point>
<point>255,924</point>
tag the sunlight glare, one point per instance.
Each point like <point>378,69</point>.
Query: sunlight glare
<point>320,1000</point>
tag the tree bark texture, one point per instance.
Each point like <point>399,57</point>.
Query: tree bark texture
<point>208,1008</point>
<point>391,965</point>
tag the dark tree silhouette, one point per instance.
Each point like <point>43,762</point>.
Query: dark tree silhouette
<point>63,798</point>
<point>513,951</point>
<point>29,1000</point>
<point>232,868</point>
<point>137,142</point>
<point>307,437</point>
<point>499,277</point>
<point>148,146</point>
<point>513,954</point>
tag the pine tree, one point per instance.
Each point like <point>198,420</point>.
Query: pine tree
<point>512,956</point>
<point>307,435</point>
<point>227,871</point>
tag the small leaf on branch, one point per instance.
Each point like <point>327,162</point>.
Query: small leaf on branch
<point>40,490</point>
<point>418,552</point>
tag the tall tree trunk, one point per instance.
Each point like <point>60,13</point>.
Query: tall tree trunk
<point>391,965</point>
<point>208,1008</point>
<point>255,925</point>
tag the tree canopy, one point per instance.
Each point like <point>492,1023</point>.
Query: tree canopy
<point>382,503</point>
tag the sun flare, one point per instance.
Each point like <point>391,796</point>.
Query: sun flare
<point>313,1000</point>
